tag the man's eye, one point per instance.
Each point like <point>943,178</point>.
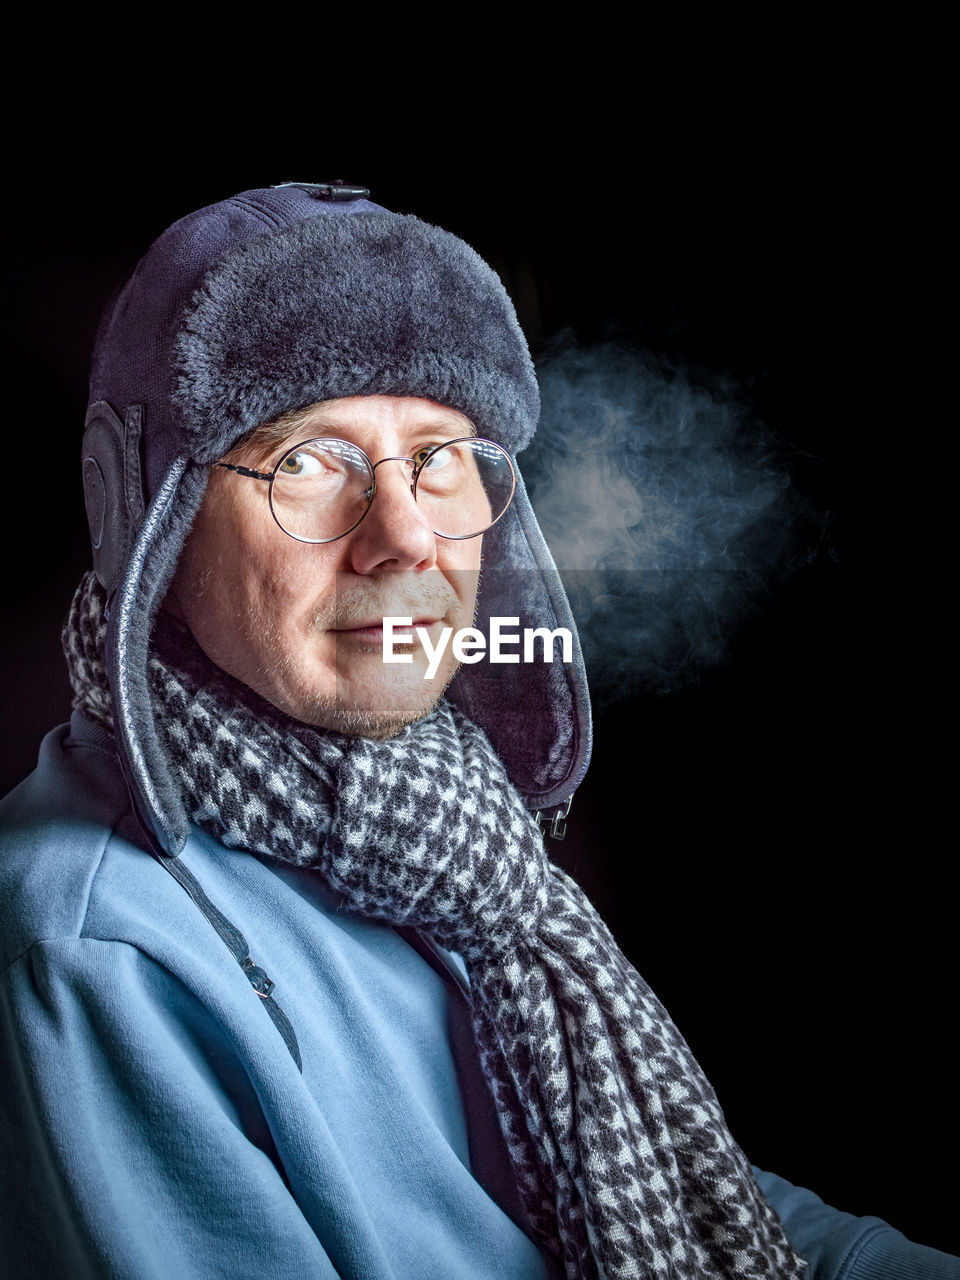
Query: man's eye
<point>441,459</point>
<point>295,464</point>
<point>307,464</point>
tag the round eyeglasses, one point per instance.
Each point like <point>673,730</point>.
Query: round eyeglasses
<point>320,490</point>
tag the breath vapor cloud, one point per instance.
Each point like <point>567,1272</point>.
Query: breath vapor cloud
<point>669,510</point>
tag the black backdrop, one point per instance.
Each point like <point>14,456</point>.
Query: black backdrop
<point>731,831</point>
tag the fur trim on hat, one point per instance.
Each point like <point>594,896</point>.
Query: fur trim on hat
<point>375,304</point>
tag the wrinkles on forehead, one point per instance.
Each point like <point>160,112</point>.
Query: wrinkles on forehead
<point>259,445</point>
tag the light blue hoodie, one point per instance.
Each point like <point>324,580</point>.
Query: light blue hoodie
<point>155,1123</point>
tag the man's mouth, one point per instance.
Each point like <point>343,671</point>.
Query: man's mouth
<point>372,632</point>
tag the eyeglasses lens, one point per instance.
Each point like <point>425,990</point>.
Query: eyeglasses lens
<point>322,489</point>
<point>465,487</point>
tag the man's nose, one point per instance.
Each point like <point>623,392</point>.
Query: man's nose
<point>394,534</point>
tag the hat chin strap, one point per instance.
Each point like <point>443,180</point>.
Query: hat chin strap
<point>131,610</point>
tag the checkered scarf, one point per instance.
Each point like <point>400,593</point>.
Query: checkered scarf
<point>621,1151</point>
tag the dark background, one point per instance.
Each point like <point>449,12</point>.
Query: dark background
<point>750,837</point>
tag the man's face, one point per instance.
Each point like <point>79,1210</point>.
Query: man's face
<point>301,623</point>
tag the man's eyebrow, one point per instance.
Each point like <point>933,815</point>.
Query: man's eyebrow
<point>461,426</point>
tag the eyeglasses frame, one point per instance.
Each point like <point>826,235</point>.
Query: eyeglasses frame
<point>371,493</point>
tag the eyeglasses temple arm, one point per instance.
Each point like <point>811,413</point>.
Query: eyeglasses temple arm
<point>246,471</point>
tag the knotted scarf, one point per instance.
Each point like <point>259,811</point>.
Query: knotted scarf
<point>620,1148</point>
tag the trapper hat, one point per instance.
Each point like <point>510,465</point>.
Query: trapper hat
<point>266,302</point>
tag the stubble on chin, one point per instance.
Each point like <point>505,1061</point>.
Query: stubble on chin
<point>377,714</point>
<point>338,716</point>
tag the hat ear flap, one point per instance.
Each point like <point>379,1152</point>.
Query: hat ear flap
<point>112,487</point>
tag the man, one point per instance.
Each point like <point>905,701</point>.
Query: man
<point>347,1020</point>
